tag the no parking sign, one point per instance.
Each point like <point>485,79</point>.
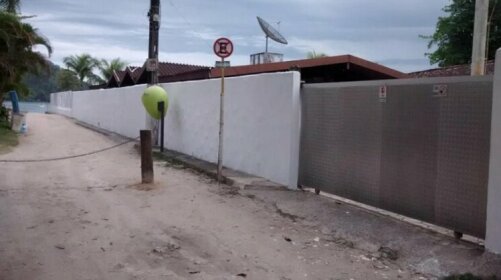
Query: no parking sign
<point>223,47</point>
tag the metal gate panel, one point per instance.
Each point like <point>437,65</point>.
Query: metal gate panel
<point>408,163</point>
<point>421,151</point>
<point>463,157</point>
<point>341,145</point>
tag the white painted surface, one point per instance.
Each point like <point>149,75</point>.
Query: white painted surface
<point>262,120</point>
<point>119,109</point>
<point>262,123</point>
<point>61,103</point>
<point>191,122</point>
<point>493,234</point>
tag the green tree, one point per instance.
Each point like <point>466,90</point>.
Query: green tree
<point>107,68</point>
<point>454,33</point>
<point>314,54</point>
<point>83,66</point>
<point>67,80</point>
<point>40,86</point>
<point>17,55</point>
<point>11,6</point>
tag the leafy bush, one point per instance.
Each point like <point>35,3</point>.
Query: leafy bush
<point>4,114</point>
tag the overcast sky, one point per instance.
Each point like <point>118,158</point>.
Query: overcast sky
<point>383,31</point>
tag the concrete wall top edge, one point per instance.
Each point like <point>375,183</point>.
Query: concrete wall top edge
<point>420,81</point>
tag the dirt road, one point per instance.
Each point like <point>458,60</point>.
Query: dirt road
<point>87,218</point>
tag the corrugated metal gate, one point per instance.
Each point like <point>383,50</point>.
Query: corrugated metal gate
<point>421,151</point>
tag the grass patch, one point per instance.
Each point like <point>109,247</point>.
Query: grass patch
<point>8,138</point>
<point>468,276</point>
<point>169,161</point>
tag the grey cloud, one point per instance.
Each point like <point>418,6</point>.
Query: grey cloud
<point>385,31</point>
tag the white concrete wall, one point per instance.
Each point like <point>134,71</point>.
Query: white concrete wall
<point>493,235</point>
<point>262,123</point>
<point>119,109</point>
<point>61,103</point>
<point>262,120</point>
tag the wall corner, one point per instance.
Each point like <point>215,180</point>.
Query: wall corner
<point>493,224</point>
<point>295,130</point>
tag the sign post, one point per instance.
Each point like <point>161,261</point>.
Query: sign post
<point>223,48</point>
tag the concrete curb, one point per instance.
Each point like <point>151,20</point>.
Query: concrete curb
<point>231,177</point>
<point>114,136</point>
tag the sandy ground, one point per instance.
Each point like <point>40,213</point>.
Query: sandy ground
<point>88,218</point>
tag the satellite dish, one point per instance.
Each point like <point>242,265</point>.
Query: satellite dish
<point>271,33</point>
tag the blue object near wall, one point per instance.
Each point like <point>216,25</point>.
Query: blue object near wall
<point>15,101</point>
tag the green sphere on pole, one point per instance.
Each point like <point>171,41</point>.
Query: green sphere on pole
<point>151,97</point>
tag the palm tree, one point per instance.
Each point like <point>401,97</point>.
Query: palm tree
<point>314,54</point>
<point>17,56</point>
<point>10,6</point>
<point>68,80</point>
<point>83,66</point>
<point>109,67</point>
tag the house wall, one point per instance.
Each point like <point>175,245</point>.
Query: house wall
<point>493,235</point>
<point>262,120</point>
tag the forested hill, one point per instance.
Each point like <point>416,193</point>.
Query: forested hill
<point>43,85</point>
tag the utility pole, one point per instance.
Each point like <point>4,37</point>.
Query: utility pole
<point>479,38</point>
<point>152,63</point>
<point>151,66</point>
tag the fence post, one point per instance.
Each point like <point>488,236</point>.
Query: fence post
<point>146,157</point>
<point>493,234</point>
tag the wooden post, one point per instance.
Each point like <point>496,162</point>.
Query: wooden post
<point>146,157</point>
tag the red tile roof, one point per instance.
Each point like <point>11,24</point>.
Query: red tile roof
<point>133,74</point>
<point>171,69</point>
<point>456,70</point>
<point>119,75</point>
<point>116,79</point>
<point>306,63</point>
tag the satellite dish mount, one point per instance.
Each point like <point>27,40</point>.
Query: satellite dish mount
<point>271,33</point>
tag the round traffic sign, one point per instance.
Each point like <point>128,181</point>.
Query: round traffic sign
<point>223,47</point>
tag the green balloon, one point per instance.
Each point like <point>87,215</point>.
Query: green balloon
<point>151,97</point>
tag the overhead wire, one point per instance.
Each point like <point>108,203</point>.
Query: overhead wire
<point>67,157</point>
<point>185,19</point>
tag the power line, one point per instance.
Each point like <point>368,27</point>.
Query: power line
<point>192,26</point>
<point>180,13</point>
